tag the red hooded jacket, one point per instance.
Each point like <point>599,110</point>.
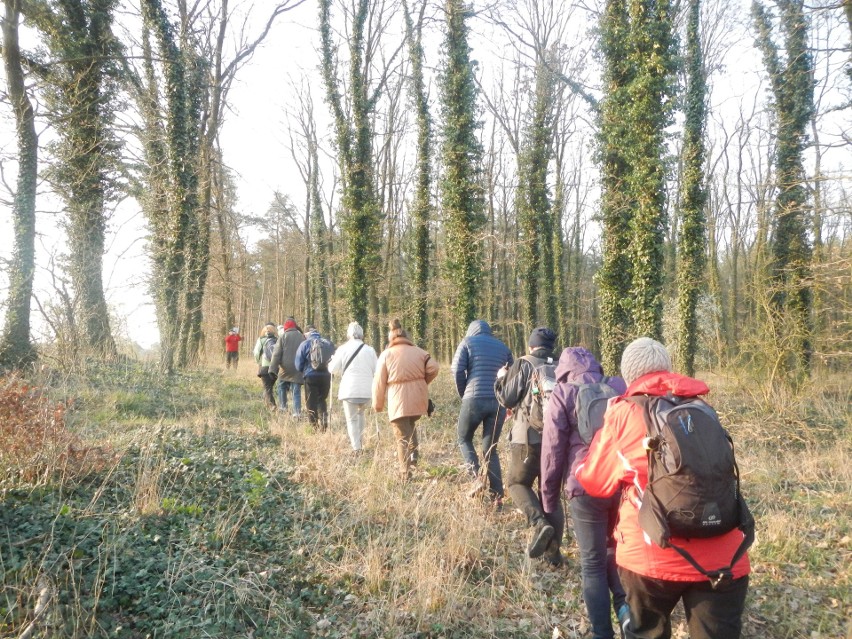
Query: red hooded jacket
<point>616,457</point>
<point>232,342</point>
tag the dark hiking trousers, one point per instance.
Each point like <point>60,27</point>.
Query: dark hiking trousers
<point>316,398</point>
<point>524,470</point>
<point>710,613</point>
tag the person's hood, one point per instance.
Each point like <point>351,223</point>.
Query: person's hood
<point>478,327</point>
<point>664,382</point>
<point>312,334</point>
<point>574,363</point>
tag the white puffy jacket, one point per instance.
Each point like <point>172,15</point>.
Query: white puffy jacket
<point>357,381</point>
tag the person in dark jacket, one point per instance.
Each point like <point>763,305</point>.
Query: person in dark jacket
<point>317,383</point>
<point>593,517</point>
<point>513,389</point>
<point>290,378</point>
<point>478,358</point>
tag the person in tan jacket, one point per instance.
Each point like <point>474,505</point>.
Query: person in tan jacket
<point>403,372</point>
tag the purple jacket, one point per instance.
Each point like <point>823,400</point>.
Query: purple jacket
<point>561,446</point>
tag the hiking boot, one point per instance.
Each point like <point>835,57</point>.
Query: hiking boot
<point>542,534</point>
<point>623,620</point>
<point>497,504</point>
<point>552,555</point>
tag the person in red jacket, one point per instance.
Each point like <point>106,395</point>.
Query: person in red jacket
<point>654,578</point>
<point>232,347</point>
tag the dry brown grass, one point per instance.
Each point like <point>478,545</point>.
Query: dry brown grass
<point>423,560</point>
<point>424,554</point>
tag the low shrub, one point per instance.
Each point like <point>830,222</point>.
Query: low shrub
<point>35,444</point>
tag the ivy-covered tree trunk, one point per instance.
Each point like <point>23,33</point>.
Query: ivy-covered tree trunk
<point>615,275</point>
<point>535,217</point>
<point>691,256</point>
<point>80,82</point>
<point>461,187</point>
<point>197,243</point>
<point>421,207</point>
<point>792,88</point>
<point>16,349</point>
<point>652,55</point>
<point>361,218</point>
<point>637,46</point>
<point>319,243</point>
<point>171,199</point>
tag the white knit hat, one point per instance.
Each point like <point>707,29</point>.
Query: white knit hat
<point>642,356</point>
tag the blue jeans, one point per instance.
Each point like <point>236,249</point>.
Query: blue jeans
<point>284,390</point>
<point>594,519</point>
<point>490,414</point>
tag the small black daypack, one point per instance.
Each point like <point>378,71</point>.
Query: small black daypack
<point>541,386</point>
<point>590,406</point>
<point>693,488</point>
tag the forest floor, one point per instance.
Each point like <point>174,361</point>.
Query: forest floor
<point>138,505</point>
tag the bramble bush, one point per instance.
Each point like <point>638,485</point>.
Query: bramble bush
<point>35,443</point>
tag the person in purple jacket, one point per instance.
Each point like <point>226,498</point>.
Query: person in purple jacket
<point>594,518</point>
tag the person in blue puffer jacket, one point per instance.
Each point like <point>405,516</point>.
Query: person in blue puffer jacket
<point>478,358</point>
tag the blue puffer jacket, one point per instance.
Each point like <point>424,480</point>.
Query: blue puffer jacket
<point>476,362</point>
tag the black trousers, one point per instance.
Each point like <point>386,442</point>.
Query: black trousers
<point>316,398</point>
<point>524,470</point>
<point>268,384</point>
<point>710,613</point>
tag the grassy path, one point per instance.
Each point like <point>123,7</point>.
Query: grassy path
<point>204,516</point>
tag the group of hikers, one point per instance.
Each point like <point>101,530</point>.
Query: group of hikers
<point>574,432</point>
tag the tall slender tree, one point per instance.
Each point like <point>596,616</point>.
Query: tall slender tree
<point>638,50</point>
<point>421,208</point>
<point>81,88</point>
<point>171,180</point>
<point>691,256</point>
<point>792,88</point>
<point>535,215</point>
<point>615,275</point>
<point>461,183</point>
<point>653,57</point>
<point>353,123</point>
<point>16,349</point>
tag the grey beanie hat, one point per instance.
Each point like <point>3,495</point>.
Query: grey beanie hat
<point>642,356</point>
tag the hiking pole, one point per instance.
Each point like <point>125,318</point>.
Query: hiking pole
<point>330,402</point>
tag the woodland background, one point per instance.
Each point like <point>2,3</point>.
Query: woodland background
<point>673,169</point>
<point>613,169</point>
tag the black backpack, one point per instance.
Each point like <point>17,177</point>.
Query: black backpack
<point>693,486</point>
<point>540,388</point>
<point>321,352</point>
<point>590,406</point>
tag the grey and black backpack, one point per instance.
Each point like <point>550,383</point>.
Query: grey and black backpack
<point>541,385</point>
<point>590,406</point>
<point>693,488</point>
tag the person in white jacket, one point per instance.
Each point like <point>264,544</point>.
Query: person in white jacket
<point>354,362</point>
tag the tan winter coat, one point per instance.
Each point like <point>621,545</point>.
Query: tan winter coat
<point>403,372</point>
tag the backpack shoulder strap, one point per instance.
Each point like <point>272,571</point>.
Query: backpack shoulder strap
<point>349,361</point>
